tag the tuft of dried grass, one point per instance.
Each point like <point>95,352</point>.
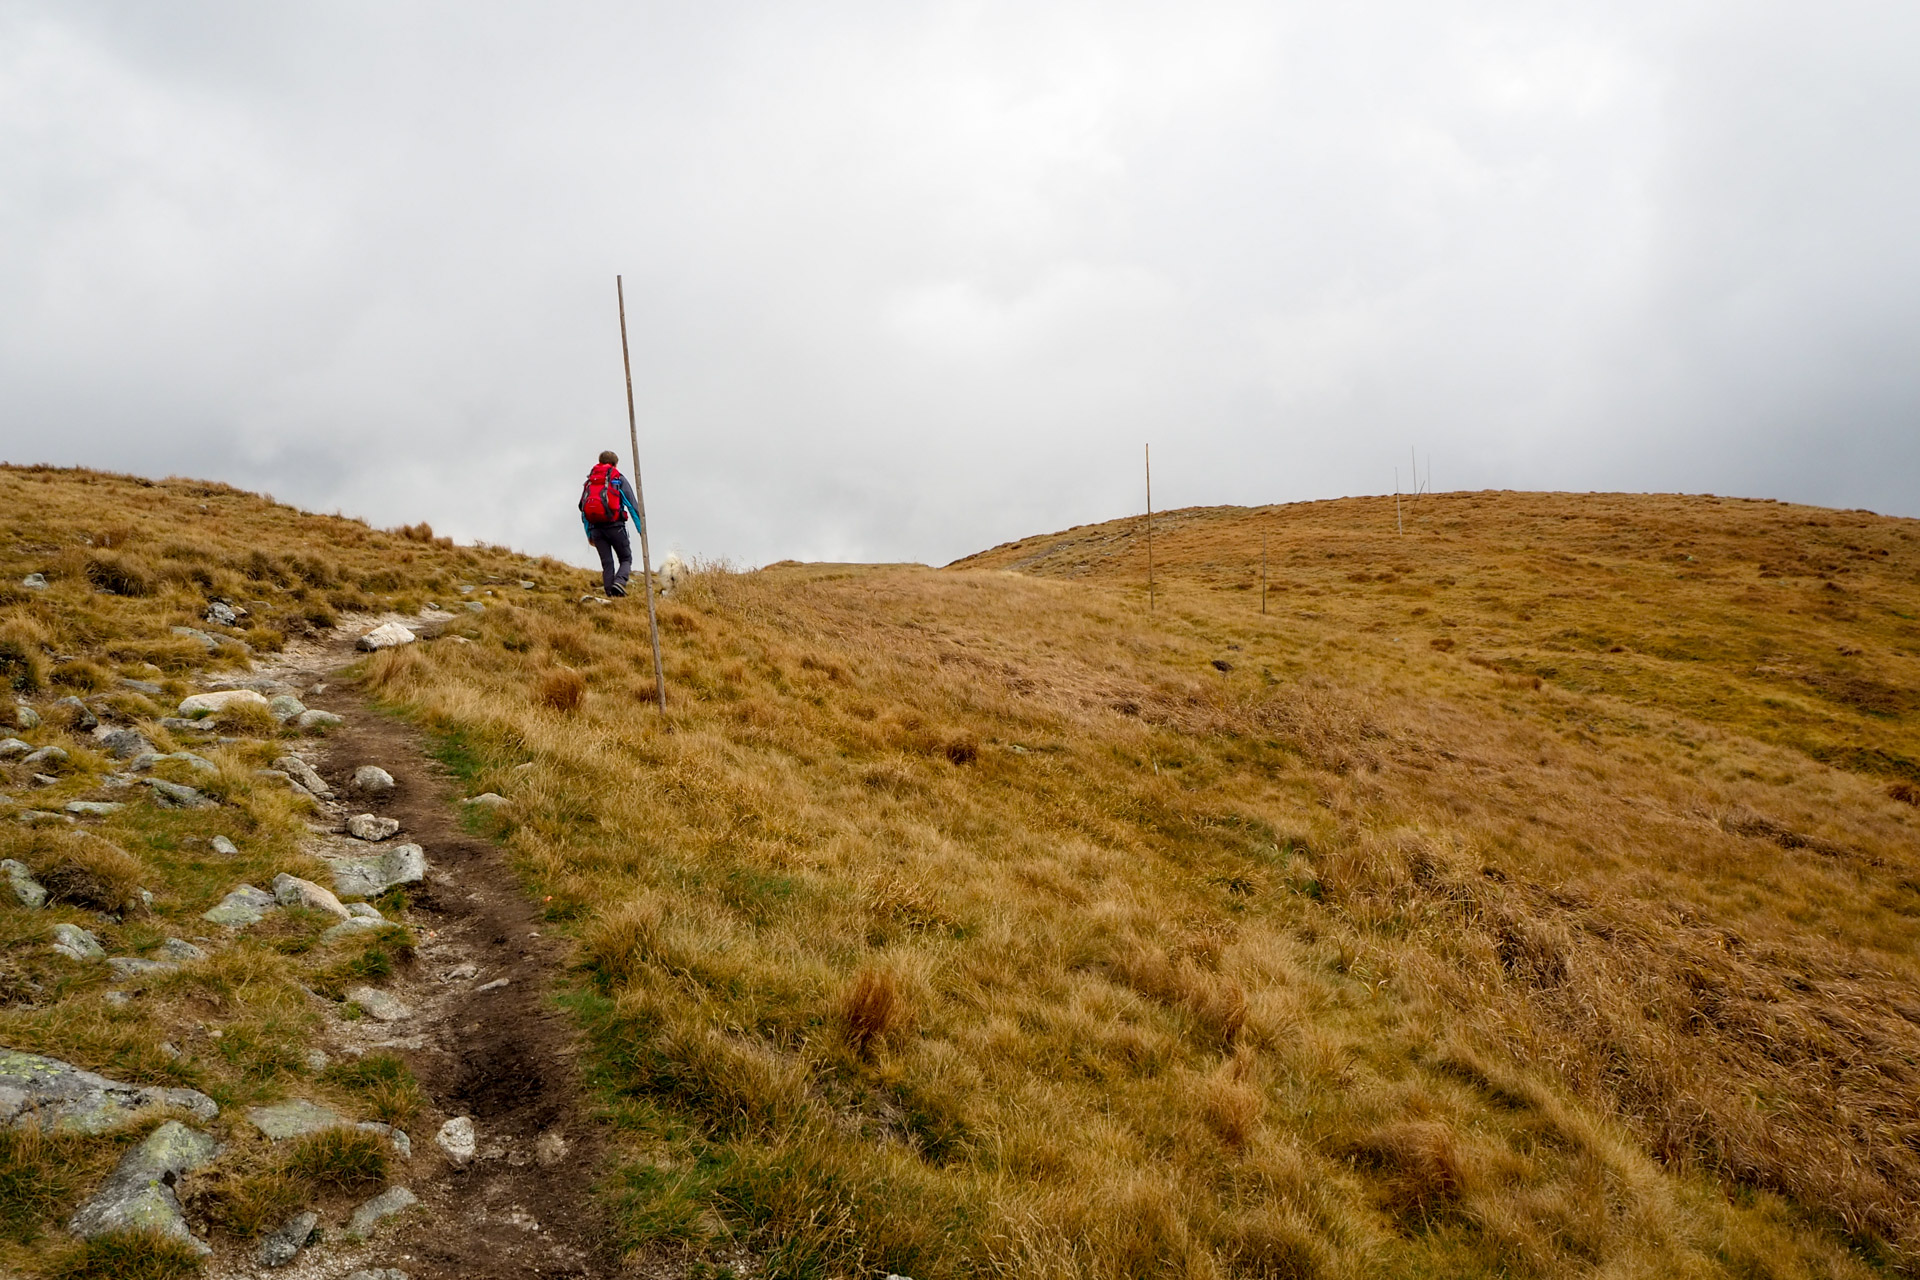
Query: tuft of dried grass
<point>871,1008</point>
<point>563,689</point>
<point>343,1160</point>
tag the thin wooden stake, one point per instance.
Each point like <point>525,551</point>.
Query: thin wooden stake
<point>1149,457</point>
<point>1399,526</point>
<point>640,501</point>
<point>1263,573</point>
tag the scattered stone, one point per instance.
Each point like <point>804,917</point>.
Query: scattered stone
<point>34,582</point>
<point>456,1139</point>
<point>372,780</point>
<point>370,877</point>
<point>118,999</point>
<point>27,891</point>
<point>378,1209</point>
<point>76,943</point>
<point>79,1101</point>
<point>367,826</point>
<point>125,967</point>
<point>244,906</point>
<point>402,1144</point>
<point>291,1236</point>
<point>590,599</point>
<point>79,715</point>
<point>225,847</point>
<point>351,925</point>
<point>279,775</point>
<point>308,721</point>
<point>474,606</point>
<point>302,772</point>
<point>154,759</point>
<point>93,808</point>
<point>222,614</point>
<point>25,717</point>
<point>550,1148</point>
<point>14,747</point>
<point>466,588</point>
<point>180,950</point>
<point>380,1005</point>
<point>387,635</point>
<point>495,985</point>
<point>146,687</point>
<point>44,817</point>
<point>171,795</point>
<point>180,724</point>
<point>365,911</point>
<point>292,891</point>
<point>195,633</point>
<point>220,700</point>
<point>487,800</point>
<point>525,585</point>
<point>377,1273</point>
<point>140,1193</point>
<point>294,1118</point>
<point>523,766</point>
<point>169,1048</point>
<point>53,757</point>
<point>318,1061</point>
<point>125,744</point>
<point>286,707</point>
<point>461,972</point>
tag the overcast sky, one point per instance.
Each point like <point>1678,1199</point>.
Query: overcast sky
<point>906,280</point>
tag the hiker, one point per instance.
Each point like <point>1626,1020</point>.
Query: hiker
<point>606,500</point>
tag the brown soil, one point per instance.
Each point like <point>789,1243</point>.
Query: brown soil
<point>503,1057</point>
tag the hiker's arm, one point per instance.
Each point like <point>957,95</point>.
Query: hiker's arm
<point>633,505</point>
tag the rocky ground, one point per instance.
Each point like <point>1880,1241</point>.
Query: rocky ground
<point>493,1180</point>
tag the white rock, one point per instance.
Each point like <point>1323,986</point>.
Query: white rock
<point>495,985</point>
<point>367,826</point>
<point>372,780</point>
<point>487,800</point>
<point>370,877</point>
<point>225,847</point>
<point>308,721</point>
<point>27,891</point>
<point>73,941</point>
<point>292,891</point>
<point>221,700</point>
<point>456,1138</point>
<point>386,636</point>
<point>380,1005</point>
<point>302,772</point>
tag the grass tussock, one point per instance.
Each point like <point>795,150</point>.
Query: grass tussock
<point>337,1160</point>
<point>125,1255</point>
<point>563,690</point>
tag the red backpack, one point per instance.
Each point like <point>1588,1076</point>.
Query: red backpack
<point>600,496</point>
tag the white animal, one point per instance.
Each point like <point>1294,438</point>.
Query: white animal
<point>672,573</point>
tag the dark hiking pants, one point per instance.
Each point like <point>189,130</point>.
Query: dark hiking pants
<point>610,541</point>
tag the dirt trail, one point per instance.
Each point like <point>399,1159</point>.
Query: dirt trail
<point>499,1054</point>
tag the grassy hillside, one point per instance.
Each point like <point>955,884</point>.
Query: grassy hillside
<point>1534,893</point>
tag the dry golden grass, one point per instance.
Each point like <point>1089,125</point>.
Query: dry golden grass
<point>974,922</point>
<point>1292,945</point>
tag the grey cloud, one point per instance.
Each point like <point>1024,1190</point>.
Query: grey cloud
<point>905,281</point>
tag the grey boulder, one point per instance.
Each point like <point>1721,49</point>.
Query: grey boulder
<point>27,891</point>
<point>34,582</point>
<point>286,707</point>
<point>25,717</point>
<point>220,700</point>
<point>380,1005</point>
<point>225,847</point>
<point>375,1211</point>
<point>367,826</point>
<point>140,1194</point>
<point>242,907</point>
<point>195,633</point>
<point>10,747</point>
<point>292,891</point>
<point>75,943</point>
<point>222,614</point>
<point>302,772</point>
<point>51,757</point>
<point>308,721</point>
<point>372,780</point>
<point>47,1091</point>
<point>291,1236</point>
<point>171,795</point>
<point>370,877</point>
<point>93,808</point>
<point>125,744</point>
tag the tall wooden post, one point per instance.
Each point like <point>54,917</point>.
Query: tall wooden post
<point>640,501</point>
<point>1263,573</point>
<point>1149,457</point>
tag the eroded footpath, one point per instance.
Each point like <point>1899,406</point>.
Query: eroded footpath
<point>503,1153</point>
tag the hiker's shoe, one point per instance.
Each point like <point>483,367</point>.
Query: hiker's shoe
<point>616,590</point>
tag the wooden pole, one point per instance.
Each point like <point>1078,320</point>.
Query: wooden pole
<point>640,501</point>
<point>1149,456</point>
<point>1398,525</point>
<point>1263,573</point>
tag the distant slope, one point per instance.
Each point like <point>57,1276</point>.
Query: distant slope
<point>1799,625</point>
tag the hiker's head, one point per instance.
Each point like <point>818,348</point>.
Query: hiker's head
<point>609,457</point>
